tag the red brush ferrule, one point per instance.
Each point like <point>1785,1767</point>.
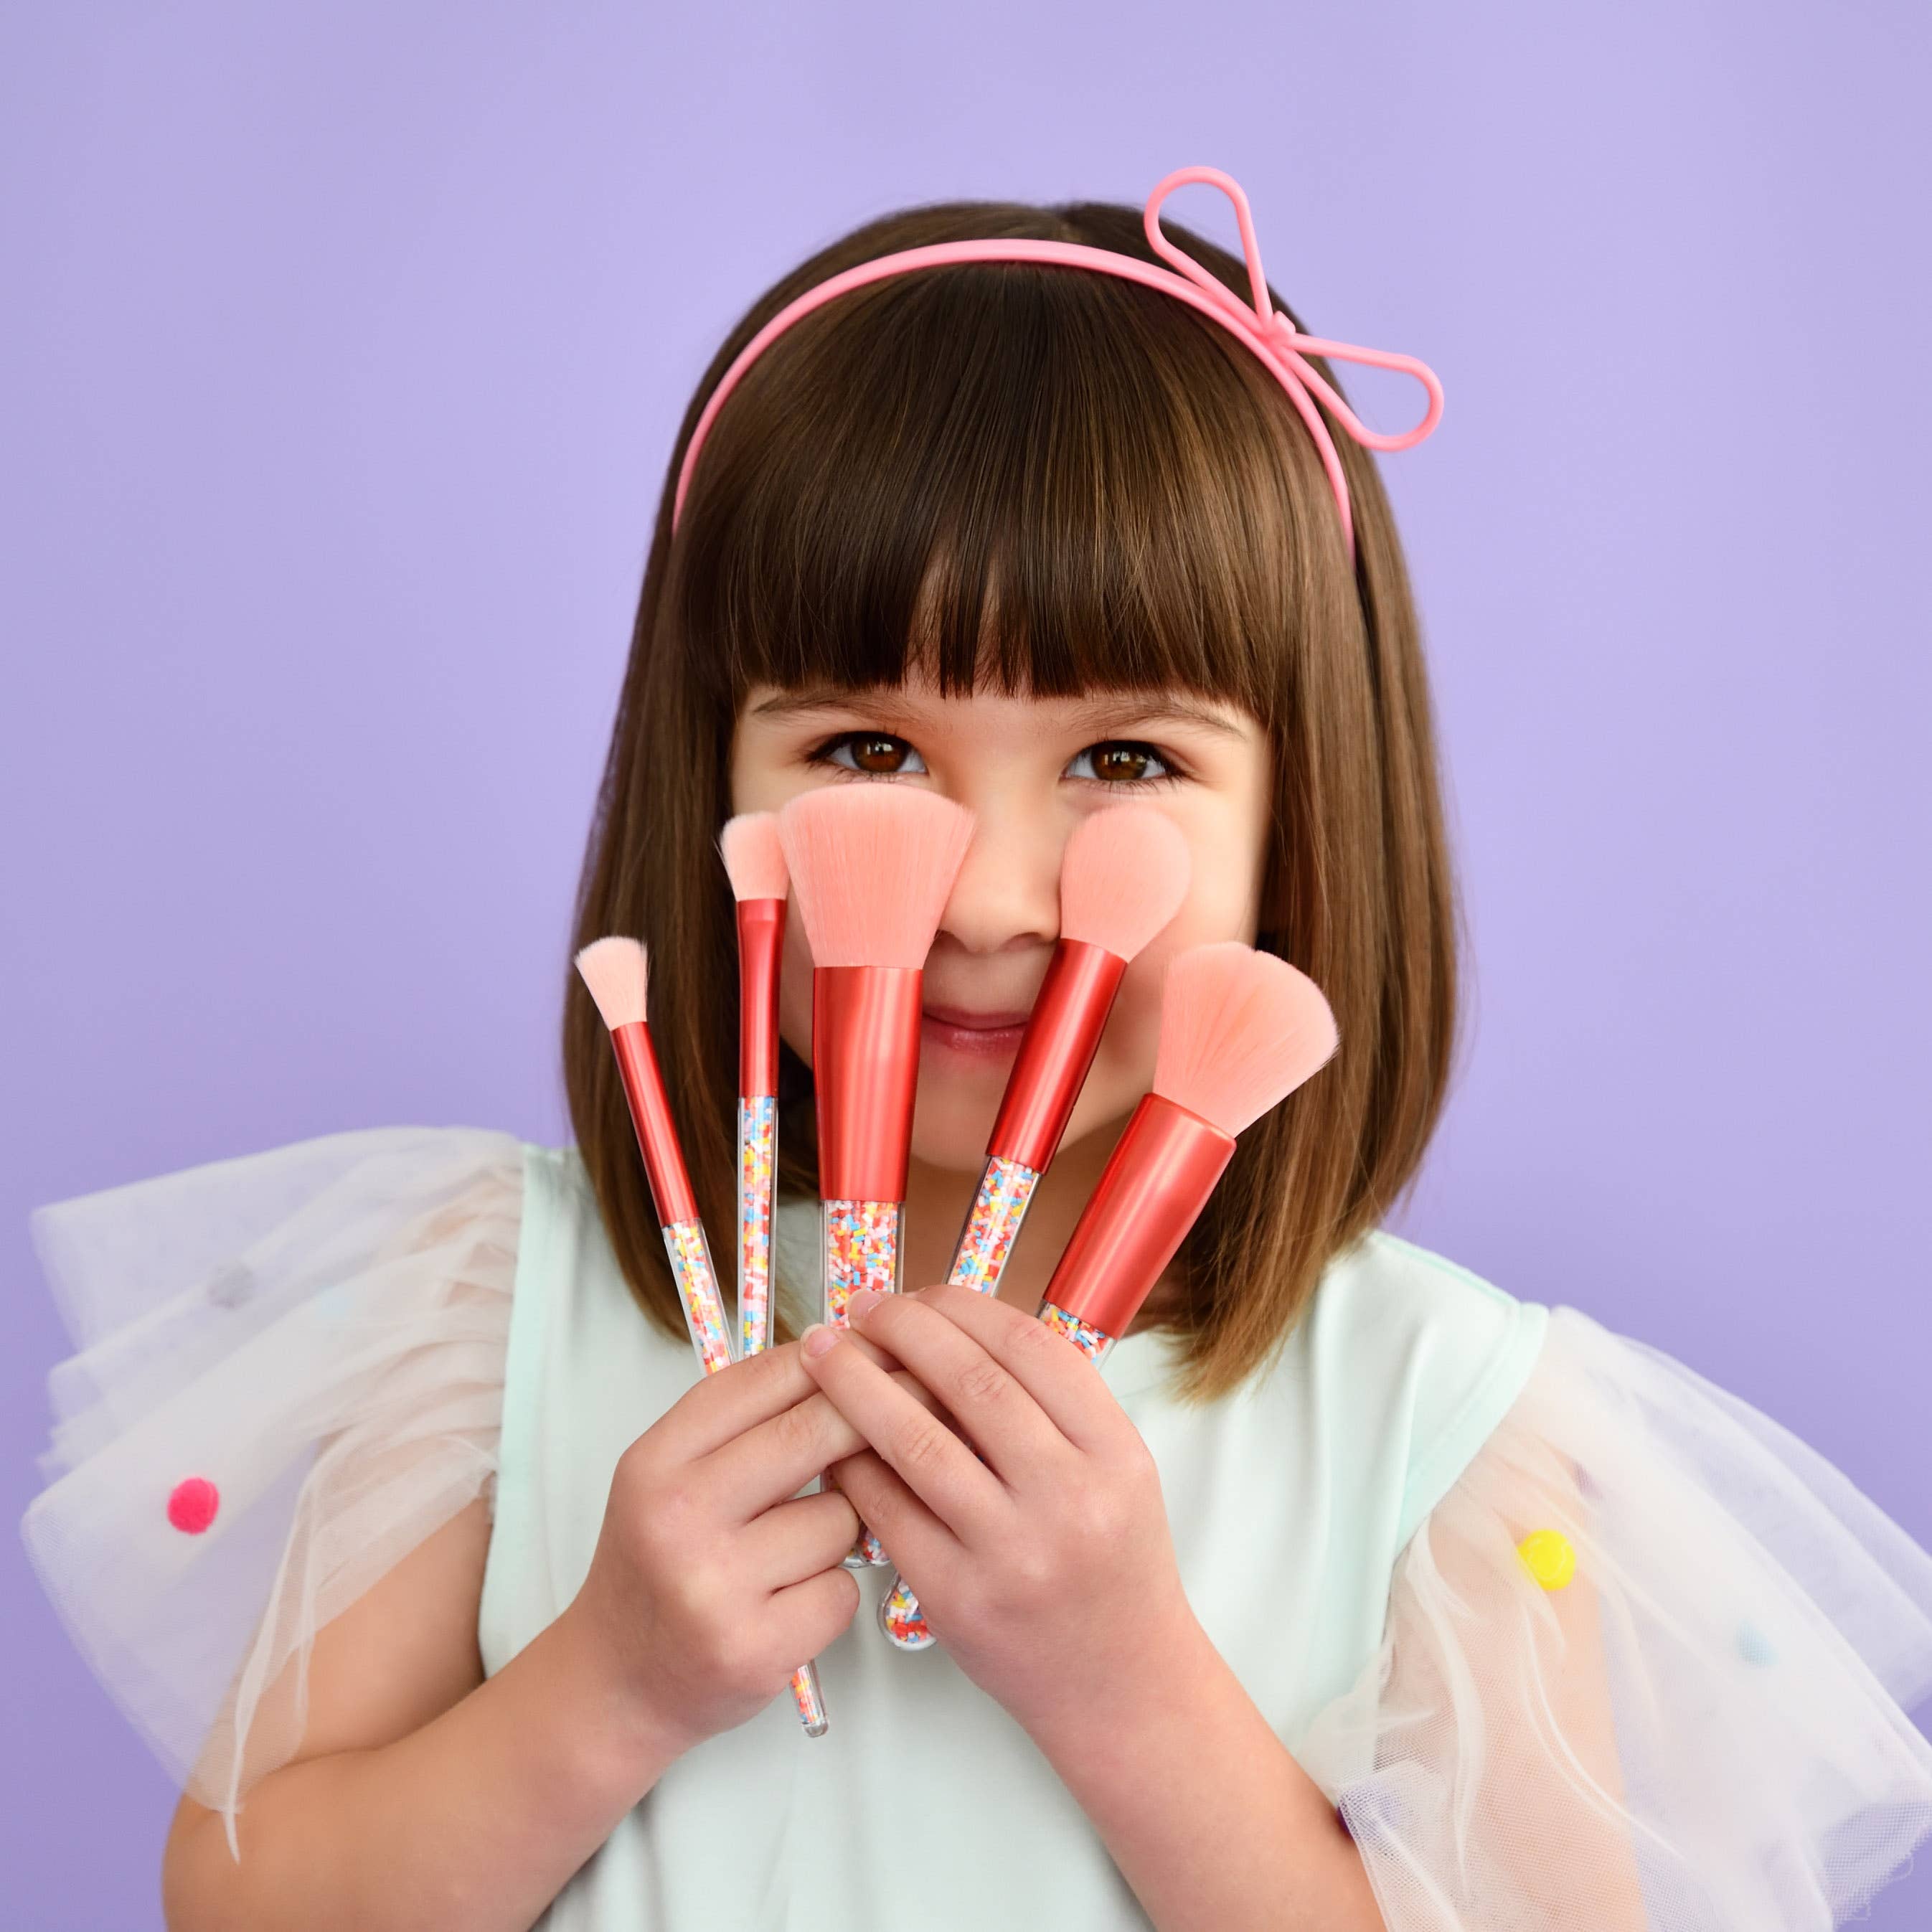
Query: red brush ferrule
<point>650,1115</point>
<point>864,1066</point>
<point>1062,1033</point>
<point>761,942</point>
<point>1154,1186</point>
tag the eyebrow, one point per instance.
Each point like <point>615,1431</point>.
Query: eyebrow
<point>1114,708</point>
<point>1128,707</point>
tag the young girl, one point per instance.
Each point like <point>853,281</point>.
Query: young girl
<point>1347,1591</point>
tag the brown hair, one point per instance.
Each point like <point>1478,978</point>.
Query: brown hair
<point>1154,515</point>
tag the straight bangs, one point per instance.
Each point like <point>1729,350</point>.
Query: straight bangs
<point>1046,481</point>
<point>1077,483</point>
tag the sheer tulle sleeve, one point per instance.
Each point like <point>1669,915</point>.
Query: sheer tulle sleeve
<point>289,1373</point>
<point>1647,1665</point>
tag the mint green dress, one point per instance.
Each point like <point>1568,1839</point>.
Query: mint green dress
<point>1570,1636</point>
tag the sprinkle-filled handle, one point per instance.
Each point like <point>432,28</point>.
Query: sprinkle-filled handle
<point>711,1339</point>
<point>900,1616</point>
<point>902,1620</point>
<point>861,1250</point>
<point>697,1289</point>
<point>757,1162</point>
<point>1092,1342</point>
<point>992,1225</point>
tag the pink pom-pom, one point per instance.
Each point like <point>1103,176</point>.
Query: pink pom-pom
<point>192,1504</point>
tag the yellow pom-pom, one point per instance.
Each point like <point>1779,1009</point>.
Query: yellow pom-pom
<point>1549,1557</point>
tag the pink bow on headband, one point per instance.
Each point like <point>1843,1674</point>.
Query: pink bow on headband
<point>1268,332</point>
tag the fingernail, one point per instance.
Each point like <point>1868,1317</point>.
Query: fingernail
<point>862,1299</point>
<point>817,1339</point>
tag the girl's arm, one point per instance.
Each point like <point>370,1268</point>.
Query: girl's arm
<point>1207,1813</point>
<point>425,1795</point>
<point>428,1798</point>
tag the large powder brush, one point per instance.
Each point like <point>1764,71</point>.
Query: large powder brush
<point>872,865</point>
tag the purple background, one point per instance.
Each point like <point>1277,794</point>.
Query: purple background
<point>345,353</point>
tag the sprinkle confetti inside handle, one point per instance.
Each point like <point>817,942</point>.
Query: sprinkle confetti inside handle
<point>1092,1342</point>
<point>861,1250</point>
<point>811,1702</point>
<point>902,1620</point>
<point>711,1340</point>
<point>757,1161</point>
<point>900,1616</point>
<point>1006,1188</point>
<point>698,1287</point>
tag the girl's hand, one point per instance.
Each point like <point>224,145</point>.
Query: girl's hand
<point>1046,1569</point>
<point>712,1580</point>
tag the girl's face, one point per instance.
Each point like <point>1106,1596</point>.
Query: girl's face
<point>1031,769</point>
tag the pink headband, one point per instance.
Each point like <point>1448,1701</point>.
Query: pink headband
<point>1263,328</point>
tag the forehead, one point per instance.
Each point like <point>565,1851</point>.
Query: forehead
<point>917,703</point>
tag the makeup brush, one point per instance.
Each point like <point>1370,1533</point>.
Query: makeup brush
<point>1122,878</point>
<point>617,971</point>
<point>755,862</point>
<point>872,864</point>
<point>1240,1030</point>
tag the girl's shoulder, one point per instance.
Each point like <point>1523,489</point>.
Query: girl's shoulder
<point>1639,1638</point>
<point>1401,1346</point>
<point>287,1372</point>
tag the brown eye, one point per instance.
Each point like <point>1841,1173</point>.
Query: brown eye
<point>878,754</point>
<point>1120,762</point>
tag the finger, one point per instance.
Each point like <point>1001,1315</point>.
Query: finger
<point>939,1468</point>
<point>1007,1426</point>
<point>777,1457</point>
<point>797,1539</point>
<point>1067,1387</point>
<point>918,1541</point>
<point>724,1405</point>
<point>820,1608</point>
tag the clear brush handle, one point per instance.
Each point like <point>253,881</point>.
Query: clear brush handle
<point>757,1163</point>
<point>992,1225</point>
<point>860,1246</point>
<point>711,1339</point>
<point>900,1616</point>
<point>698,1289</point>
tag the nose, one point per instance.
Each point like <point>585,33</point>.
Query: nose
<point>1007,892</point>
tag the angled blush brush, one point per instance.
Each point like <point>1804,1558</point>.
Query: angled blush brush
<point>1240,1031</point>
<point>755,862</point>
<point>617,971</point>
<point>872,864</point>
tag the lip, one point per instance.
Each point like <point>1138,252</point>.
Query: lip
<point>973,1035</point>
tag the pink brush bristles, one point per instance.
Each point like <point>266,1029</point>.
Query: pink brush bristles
<point>617,971</point>
<point>1122,878</point>
<point>753,856</point>
<point>872,866</point>
<point>1240,1030</point>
